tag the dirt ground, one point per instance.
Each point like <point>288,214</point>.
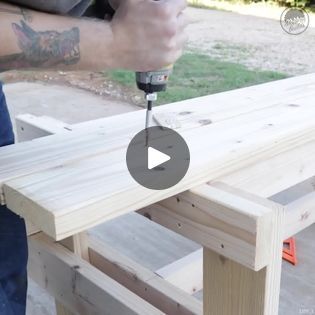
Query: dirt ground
<point>258,43</point>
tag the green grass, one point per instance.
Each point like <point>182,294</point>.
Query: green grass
<point>197,75</point>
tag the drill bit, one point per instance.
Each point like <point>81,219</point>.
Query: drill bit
<point>148,118</point>
<point>150,97</point>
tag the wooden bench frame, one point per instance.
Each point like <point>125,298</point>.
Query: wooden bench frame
<point>242,278</point>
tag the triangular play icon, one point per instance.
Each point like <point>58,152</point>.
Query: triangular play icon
<point>156,158</point>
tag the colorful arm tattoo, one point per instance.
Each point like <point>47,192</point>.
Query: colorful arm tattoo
<point>42,49</point>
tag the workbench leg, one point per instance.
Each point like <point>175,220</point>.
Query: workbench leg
<point>79,245</point>
<point>232,289</point>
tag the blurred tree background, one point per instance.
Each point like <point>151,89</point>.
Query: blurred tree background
<point>284,3</point>
<point>295,3</point>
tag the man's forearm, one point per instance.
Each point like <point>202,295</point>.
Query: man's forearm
<point>142,36</point>
<point>30,39</point>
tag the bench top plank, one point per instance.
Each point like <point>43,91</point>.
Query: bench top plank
<point>67,183</point>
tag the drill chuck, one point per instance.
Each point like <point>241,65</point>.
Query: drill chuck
<point>150,83</point>
<point>153,81</point>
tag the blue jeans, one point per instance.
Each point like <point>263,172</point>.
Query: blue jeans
<point>13,240</point>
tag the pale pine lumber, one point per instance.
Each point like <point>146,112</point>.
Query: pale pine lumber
<point>61,310</point>
<point>142,281</point>
<point>80,286</point>
<point>228,222</point>
<point>230,288</point>
<point>286,172</point>
<point>185,273</point>
<point>104,181</point>
<point>299,215</point>
<point>30,127</point>
<point>268,177</point>
<point>31,228</point>
<point>273,268</point>
<point>156,290</point>
<point>244,100</point>
<point>27,158</point>
<point>78,244</point>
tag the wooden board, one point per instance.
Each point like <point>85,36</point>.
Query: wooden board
<point>85,181</point>
<point>300,213</point>
<point>29,158</point>
<point>230,288</point>
<point>185,273</point>
<point>234,224</point>
<point>142,281</point>
<point>78,244</point>
<point>79,285</point>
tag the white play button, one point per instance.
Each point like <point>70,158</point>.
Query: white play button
<point>156,158</point>
<point>159,163</point>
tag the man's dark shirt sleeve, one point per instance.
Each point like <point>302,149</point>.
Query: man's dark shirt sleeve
<point>96,8</point>
<point>100,9</point>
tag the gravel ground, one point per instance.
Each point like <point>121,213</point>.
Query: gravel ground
<point>258,43</point>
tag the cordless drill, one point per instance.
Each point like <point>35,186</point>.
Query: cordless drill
<point>151,83</point>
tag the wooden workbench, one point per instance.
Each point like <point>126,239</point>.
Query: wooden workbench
<point>246,146</point>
